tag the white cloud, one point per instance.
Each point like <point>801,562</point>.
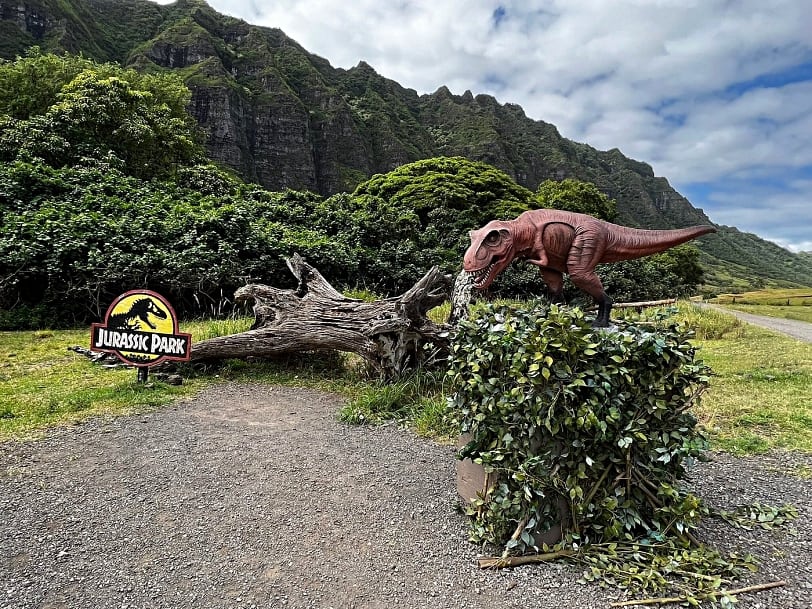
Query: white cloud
<point>780,213</point>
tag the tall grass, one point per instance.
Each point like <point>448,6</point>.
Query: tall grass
<point>760,396</point>
<point>710,324</point>
<point>204,329</point>
<point>418,400</point>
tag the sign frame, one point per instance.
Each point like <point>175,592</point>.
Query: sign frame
<point>129,331</point>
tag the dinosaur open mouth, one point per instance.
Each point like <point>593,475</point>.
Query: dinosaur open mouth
<point>482,277</point>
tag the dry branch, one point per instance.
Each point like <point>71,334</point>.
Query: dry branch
<point>502,562</point>
<point>680,599</point>
<point>389,334</point>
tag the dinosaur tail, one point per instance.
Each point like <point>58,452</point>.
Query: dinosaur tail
<point>630,243</point>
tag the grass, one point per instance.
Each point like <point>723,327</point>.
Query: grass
<point>760,397</point>
<point>417,401</point>
<point>796,312</point>
<point>784,303</point>
<point>777,297</point>
<point>43,384</point>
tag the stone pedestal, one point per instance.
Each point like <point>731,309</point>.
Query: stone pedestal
<point>473,481</point>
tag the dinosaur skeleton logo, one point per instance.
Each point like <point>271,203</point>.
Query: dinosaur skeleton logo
<point>141,328</point>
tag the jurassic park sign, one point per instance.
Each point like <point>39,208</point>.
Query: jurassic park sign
<point>141,328</point>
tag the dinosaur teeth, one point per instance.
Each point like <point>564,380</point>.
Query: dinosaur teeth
<point>481,276</point>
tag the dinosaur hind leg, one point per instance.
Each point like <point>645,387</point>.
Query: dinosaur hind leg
<point>590,283</point>
<point>555,283</point>
<point>585,253</point>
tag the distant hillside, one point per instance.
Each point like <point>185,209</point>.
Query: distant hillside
<point>286,118</point>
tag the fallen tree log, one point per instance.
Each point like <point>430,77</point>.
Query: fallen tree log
<point>390,334</point>
<point>643,304</point>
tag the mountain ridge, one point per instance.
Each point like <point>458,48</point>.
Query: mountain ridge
<point>286,118</point>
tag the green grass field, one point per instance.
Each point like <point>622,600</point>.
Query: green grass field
<point>43,384</point>
<point>760,396</point>
<point>784,303</point>
<point>798,313</point>
<point>777,297</point>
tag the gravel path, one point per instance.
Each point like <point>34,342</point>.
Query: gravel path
<point>255,496</point>
<point>800,330</point>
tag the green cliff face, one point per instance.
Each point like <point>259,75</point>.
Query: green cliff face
<point>286,118</point>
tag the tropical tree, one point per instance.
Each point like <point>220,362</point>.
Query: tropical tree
<point>420,214</point>
<point>577,196</point>
<point>71,108</point>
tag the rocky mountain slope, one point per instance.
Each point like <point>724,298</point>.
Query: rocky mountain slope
<point>286,118</point>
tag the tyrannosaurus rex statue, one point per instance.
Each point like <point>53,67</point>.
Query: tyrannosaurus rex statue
<point>561,242</point>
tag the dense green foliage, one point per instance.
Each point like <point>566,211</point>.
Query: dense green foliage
<point>561,410</point>
<point>591,431</point>
<point>671,274</point>
<point>71,239</point>
<point>422,213</point>
<point>64,109</point>
<point>577,196</point>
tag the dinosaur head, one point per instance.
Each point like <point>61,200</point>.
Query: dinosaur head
<point>144,308</point>
<point>491,251</point>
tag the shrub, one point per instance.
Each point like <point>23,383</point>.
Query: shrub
<point>560,410</point>
<point>73,238</point>
<point>590,430</point>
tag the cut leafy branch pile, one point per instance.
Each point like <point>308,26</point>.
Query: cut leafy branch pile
<point>590,430</point>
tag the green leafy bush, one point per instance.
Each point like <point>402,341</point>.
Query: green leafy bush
<point>589,430</point>
<point>73,238</point>
<point>560,410</point>
<point>419,215</point>
<point>674,273</point>
<point>64,108</point>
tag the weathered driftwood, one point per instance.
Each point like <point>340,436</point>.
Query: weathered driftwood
<point>644,304</point>
<point>390,334</point>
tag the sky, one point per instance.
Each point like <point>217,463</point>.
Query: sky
<point>716,95</point>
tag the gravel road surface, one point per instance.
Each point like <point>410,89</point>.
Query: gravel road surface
<point>254,496</point>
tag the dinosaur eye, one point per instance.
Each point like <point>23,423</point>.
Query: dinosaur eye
<point>492,238</point>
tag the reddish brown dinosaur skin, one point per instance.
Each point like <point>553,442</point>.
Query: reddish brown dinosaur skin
<point>561,242</point>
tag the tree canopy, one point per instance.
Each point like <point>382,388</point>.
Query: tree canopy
<point>64,108</point>
<point>577,196</point>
